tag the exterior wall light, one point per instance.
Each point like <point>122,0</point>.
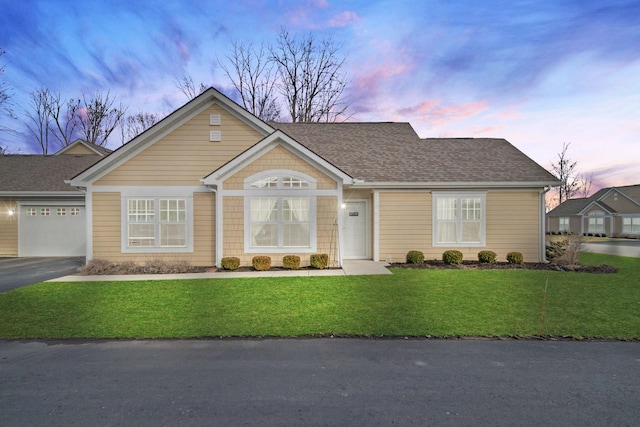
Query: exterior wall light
<point>11,212</point>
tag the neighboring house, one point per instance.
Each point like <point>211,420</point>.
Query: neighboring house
<point>40,214</point>
<point>211,181</point>
<point>613,211</point>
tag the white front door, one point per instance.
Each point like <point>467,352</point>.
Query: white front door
<point>354,230</point>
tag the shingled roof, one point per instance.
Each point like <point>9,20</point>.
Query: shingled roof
<point>393,152</point>
<point>37,173</point>
<point>575,206</point>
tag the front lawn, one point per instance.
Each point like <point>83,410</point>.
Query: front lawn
<point>407,303</point>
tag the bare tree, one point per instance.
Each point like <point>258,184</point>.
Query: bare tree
<point>6,109</point>
<point>38,119</point>
<point>62,116</point>
<point>585,182</point>
<point>310,77</point>
<point>565,170</point>
<point>134,125</point>
<point>98,118</point>
<point>253,75</point>
<point>188,87</point>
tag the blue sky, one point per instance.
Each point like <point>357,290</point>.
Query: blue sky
<point>538,73</point>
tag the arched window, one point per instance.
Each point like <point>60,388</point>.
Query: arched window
<point>279,214</point>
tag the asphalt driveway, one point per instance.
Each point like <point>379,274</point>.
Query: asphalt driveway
<point>17,272</point>
<point>630,248</point>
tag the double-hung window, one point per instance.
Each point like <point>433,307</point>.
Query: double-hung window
<point>156,224</point>
<point>631,225</point>
<point>459,219</point>
<point>280,213</point>
<point>596,222</point>
<point>564,226</point>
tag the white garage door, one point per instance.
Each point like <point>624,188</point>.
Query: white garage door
<point>52,230</point>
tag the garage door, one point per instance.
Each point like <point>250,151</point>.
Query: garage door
<point>52,230</point>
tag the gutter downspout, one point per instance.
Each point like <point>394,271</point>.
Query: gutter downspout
<point>543,219</point>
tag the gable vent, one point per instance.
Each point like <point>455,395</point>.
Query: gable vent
<point>215,135</point>
<point>214,119</point>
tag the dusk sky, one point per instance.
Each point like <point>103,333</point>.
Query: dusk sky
<point>538,73</point>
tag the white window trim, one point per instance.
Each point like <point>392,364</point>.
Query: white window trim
<point>124,202</point>
<point>483,222</point>
<point>280,193</point>
<point>564,227</point>
<point>633,219</point>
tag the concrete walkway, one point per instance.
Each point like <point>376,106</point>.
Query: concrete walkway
<point>349,268</point>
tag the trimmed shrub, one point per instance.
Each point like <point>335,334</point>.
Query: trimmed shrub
<point>230,263</point>
<point>319,261</point>
<point>487,257</point>
<point>452,257</point>
<point>515,258</point>
<point>261,262</point>
<point>161,266</point>
<point>97,267</point>
<point>291,262</point>
<point>127,267</point>
<point>415,257</point>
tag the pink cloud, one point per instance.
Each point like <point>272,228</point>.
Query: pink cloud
<point>343,19</point>
<point>373,78</point>
<point>486,130</point>
<point>437,114</point>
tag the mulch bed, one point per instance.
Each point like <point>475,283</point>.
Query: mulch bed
<point>475,265</point>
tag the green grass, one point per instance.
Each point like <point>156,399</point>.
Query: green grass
<point>407,303</point>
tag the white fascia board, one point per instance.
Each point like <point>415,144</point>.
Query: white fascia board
<point>448,185</point>
<point>586,208</point>
<point>49,194</point>
<point>267,144</point>
<point>162,129</point>
<point>79,142</point>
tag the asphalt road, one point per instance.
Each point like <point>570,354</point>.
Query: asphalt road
<point>630,248</point>
<point>333,382</point>
<point>17,272</point>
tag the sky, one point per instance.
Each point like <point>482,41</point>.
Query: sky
<point>538,73</point>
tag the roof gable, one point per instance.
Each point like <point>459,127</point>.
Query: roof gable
<point>277,138</point>
<point>631,192</point>
<point>80,147</point>
<point>170,123</point>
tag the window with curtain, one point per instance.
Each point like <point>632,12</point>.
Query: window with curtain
<point>596,222</point>
<point>459,220</point>
<point>281,220</point>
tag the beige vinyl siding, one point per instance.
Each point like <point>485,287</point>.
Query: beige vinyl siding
<point>78,149</point>
<point>107,244</point>
<point>233,239</point>
<point>513,221</point>
<point>512,224</point>
<point>278,158</point>
<point>8,228</point>
<point>186,154</point>
<point>405,224</point>
<point>327,207</point>
<point>621,204</point>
